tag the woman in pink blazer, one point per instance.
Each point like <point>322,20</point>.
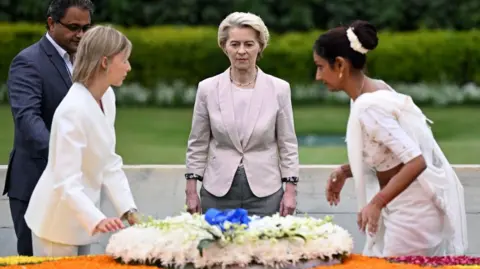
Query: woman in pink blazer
<point>242,146</point>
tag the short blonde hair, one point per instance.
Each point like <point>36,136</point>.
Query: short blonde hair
<point>242,19</point>
<point>98,42</point>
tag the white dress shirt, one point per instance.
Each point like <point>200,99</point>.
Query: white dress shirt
<point>64,54</point>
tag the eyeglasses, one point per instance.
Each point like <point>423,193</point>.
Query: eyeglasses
<point>75,27</point>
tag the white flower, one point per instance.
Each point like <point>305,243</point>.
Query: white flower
<point>272,241</point>
<point>354,42</point>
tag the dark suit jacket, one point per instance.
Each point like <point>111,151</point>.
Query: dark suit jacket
<point>37,81</point>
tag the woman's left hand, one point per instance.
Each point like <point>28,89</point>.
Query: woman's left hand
<point>370,215</point>
<point>289,201</point>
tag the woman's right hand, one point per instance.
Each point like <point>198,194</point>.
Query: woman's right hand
<point>192,199</point>
<point>334,186</point>
<point>109,225</point>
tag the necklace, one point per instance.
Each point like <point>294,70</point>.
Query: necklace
<point>242,84</point>
<point>363,84</point>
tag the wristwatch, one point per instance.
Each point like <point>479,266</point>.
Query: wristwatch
<point>291,180</point>
<point>127,214</point>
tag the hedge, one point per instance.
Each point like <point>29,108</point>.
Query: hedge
<point>280,15</point>
<point>190,54</point>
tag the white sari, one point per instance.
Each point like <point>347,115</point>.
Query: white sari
<point>439,182</point>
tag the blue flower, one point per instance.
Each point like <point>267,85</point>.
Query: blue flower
<point>218,218</point>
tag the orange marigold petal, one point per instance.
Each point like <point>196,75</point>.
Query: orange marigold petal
<point>106,262</point>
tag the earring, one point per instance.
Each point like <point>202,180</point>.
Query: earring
<point>340,76</point>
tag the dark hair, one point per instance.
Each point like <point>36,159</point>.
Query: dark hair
<point>335,43</point>
<point>57,8</point>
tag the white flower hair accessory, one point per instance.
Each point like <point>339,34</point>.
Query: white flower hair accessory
<point>354,42</point>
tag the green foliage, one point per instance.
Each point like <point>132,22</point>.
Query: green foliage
<point>279,15</point>
<point>175,53</point>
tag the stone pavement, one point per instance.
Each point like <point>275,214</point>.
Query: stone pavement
<point>159,192</point>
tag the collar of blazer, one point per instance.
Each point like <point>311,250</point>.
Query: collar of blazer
<point>262,86</point>
<point>56,60</point>
<point>92,106</point>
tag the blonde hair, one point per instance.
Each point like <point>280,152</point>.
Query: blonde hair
<point>98,42</point>
<point>242,19</point>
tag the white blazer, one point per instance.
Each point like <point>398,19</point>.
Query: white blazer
<point>64,206</point>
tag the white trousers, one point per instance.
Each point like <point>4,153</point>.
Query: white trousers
<point>46,248</point>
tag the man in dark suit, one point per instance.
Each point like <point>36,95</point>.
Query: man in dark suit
<point>39,78</point>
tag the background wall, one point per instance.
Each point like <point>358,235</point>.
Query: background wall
<point>159,192</point>
<point>428,49</point>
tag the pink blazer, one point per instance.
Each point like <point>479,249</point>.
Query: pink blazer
<point>270,150</point>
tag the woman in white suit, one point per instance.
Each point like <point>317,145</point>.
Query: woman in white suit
<point>64,213</point>
<point>242,145</point>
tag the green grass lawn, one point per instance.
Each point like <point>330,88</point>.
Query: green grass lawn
<point>158,136</point>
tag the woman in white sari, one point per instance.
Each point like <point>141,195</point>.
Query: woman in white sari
<point>410,201</point>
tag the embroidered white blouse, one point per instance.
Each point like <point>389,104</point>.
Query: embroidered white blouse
<point>385,143</point>
<point>388,129</point>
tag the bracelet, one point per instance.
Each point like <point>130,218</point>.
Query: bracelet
<point>380,200</point>
<point>192,176</point>
<point>292,180</point>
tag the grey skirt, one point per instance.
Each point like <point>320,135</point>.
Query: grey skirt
<point>241,196</point>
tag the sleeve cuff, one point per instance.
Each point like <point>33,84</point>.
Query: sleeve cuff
<point>93,220</point>
<point>192,176</point>
<point>410,155</point>
<point>198,172</point>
